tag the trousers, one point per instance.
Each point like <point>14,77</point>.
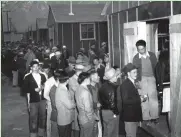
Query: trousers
<point>38,117</point>
<point>110,124</point>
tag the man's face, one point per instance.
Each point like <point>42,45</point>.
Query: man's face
<point>54,50</point>
<point>141,49</point>
<point>106,59</point>
<point>95,78</point>
<point>71,66</point>
<point>46,70</point>
<point>133,74</point>
<point>35,68</point>
<point>58,55</point>
<point>95,62</point>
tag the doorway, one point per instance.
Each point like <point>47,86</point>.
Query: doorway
<point>158,42</point>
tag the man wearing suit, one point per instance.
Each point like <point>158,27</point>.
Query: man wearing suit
<point>131,102</point>
<point>146,62</point>
<point>33,86</point>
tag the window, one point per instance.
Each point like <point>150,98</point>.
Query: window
<point>87,31</point>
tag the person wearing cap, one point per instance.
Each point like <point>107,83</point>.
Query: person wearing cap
<point>73,85</point>
<point>108,100</point>
<point>70,69</point>
<point>33,86</point>
<point>146,62</point>
<point>65,106</point>
<point>131,112</point>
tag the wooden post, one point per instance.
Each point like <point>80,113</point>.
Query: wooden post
<point>175,73</point>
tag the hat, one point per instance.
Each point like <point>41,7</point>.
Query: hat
<point>57,53</point>
<point>79,67</point>
<point>64,46</point>
<point>129,67</point>
<point>54,48</point>
<point>71,60</point>
<point>109,74</point>
<point>36,60</point>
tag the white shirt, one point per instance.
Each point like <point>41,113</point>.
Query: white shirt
<point>48,85</point>
<point>132,80</point>
<point>37,78</point>
<point>145,55</point>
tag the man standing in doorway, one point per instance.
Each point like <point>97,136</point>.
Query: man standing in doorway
<point>145,62</point>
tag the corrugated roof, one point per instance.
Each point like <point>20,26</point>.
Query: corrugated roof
<point>41,23</point>
<point>82,12</point>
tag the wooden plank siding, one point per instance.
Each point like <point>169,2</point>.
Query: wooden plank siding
<point>73,42</point>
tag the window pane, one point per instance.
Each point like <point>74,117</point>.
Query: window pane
<point>84,35</point>
<point>90,27</point>
<point>84,27</point>
<point>90,34</point>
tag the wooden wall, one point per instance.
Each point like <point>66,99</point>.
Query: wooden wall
<point>145,11</point>
<point>175,73</point>
<point>69,35</point>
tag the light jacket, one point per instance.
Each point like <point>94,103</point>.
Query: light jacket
<point>85,105</point>
<point>65,105</point>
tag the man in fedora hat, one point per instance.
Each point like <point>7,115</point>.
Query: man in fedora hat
<point>131,101</point>
<point>73,85</point>
<point>108,100</point>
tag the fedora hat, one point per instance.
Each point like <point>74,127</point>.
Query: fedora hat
<point>79,67</point>
<point>110,73</point>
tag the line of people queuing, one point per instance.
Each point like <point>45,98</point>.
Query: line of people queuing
<point>85,96</point>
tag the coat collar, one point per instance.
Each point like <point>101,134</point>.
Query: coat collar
<point>144,56</point>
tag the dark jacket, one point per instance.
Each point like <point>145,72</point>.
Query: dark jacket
<point>137,62</point>
<point>101,72</point>
<point>57,64</point>
<point>29,86</point>
<point>14,65</point>
<point>131,102</point>
<point>108,97</point>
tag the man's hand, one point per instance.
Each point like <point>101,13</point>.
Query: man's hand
<point>37,89</point>
<point>98,105</point>
<point>144,98</point>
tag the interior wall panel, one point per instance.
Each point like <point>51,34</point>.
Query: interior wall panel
<point>116,40</point>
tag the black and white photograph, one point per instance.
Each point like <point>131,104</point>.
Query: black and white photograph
<point>91,68</point>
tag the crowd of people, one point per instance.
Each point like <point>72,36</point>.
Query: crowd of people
<point>84,96</point>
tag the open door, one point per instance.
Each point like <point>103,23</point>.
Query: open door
<point>133,31</point>
<point>175,73</point>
